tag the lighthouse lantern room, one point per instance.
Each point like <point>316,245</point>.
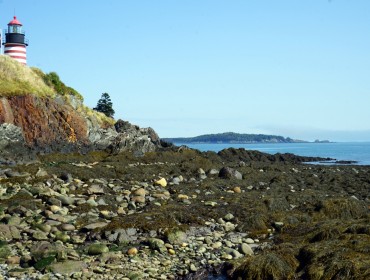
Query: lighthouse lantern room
<point>15,42</point>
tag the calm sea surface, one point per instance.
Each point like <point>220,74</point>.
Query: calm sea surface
<point>358,151</point>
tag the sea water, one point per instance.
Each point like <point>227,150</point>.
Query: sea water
<point>356,151</point>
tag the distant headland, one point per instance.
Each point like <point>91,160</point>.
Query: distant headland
<point>233,138</point>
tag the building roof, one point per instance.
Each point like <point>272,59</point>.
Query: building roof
<point>15,22</point>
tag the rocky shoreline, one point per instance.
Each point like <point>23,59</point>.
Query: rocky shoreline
<point>181,214</point>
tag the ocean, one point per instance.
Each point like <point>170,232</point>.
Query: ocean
<point>357,151</point>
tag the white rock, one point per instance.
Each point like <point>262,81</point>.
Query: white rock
<point>249,241</point>
<point>246,249</point>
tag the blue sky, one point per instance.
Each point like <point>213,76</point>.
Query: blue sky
<point>294,68</point>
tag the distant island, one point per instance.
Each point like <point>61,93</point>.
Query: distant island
<point>233,138</point>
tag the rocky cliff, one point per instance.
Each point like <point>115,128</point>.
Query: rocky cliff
<point>38,123</point>
<point>30,124</point>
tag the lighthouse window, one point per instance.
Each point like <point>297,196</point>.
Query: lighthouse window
<point>14,29</point>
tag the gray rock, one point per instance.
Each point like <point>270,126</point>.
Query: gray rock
<point>229,226</point>
<point>95,225</point>
<point>228,217</point>
<point>66,200</point>
<point>55,201</point>
<point>125,137</point>
<point>44,227</point>
<point>68,227</point>
<point>13,147</point>
<point>213,172</point>
<point>230,173</point>
<point>62,236</point>
<point>67,267</point>
<point>96,189</point>
<point>175,180</point>
<point>14,221</point>
<point>176,237</point>
<point>44,249</point>
<point>157,244</point>
<point>8,232</point>
<point>41,173</point>
<point>40,235</point>
<point>97,249</point>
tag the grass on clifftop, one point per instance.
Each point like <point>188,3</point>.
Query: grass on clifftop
<point>17,79</point>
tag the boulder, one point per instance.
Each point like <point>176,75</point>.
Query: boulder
<point>230,173</point>
<point>44,249</point>
<point>97,249</point>
<point>9,232</point>
<point>13,147</point>
<point>176,237</point>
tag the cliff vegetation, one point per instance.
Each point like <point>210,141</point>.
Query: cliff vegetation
<point>18,80</point>
<point>15,79</point>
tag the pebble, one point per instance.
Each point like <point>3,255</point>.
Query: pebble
<point>154,259</point>
<point>193,268</point>
<point>237,190</point>
<point>217,245</point>
<point>210,203</point>
<point>132,251</point>
<point>140,192</point>
<point>68,227</point>
<point>249,241</point>
<point>228,217</point>
<point>97,249</point>
<point>246,249</point>
<point>161,182</point>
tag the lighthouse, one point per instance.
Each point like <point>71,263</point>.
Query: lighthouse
<point>15,43</point>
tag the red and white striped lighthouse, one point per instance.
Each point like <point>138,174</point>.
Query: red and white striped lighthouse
<point>15,43</point>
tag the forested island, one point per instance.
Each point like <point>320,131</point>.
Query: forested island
<point>233,138</point>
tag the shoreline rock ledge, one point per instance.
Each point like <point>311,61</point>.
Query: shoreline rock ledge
<point>30,124</point>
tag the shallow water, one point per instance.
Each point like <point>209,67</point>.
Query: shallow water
<point>357,151</point>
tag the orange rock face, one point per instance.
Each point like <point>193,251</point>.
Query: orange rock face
<point>43,120</point>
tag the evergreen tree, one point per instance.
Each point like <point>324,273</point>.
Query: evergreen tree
<point>105,105</point>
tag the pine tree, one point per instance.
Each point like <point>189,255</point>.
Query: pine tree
<point>105,105</point>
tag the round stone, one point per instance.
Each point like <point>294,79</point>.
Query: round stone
<point>249,241</point>
<point>237,190</point>
<point>97,249</point>
<point>202,250</point>
<point>61,236</point>
<point>68,227</point>
<point>138,199</point>
<point>54,208</point>
<point>140,192</point>
<point>13,260</point>
<point>217,245</point>
<point>246,249</point>
<point>132,251</point>
<point>228,217</point>
<point>182,196</point>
